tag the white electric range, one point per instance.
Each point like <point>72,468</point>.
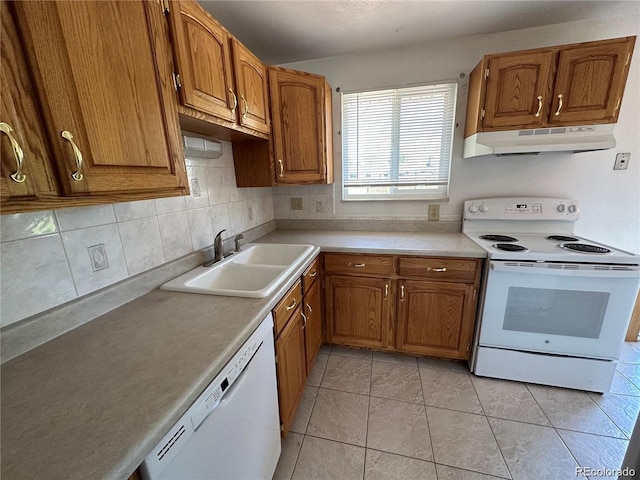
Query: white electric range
<point>554,307</point>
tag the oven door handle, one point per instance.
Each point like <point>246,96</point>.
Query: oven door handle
<point>562,270</point>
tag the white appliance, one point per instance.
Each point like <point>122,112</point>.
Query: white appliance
<point>554,307</point>
<point>232,431</point>
<point>540,140</point>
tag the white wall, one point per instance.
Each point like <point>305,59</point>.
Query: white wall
<point>46,258</point>
<point>610,200</point>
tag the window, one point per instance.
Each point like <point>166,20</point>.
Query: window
<point>396,143</point>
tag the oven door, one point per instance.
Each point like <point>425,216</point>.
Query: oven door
<point>567,309</point>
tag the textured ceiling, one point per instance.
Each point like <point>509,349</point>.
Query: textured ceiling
<point>281,31</point>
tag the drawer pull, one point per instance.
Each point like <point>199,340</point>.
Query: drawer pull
<point>313,274</point>
<point>304,318</point>
<point>292,306</point>
<point>18,176</point>
<point>356,265</point>
<point>310,310</point>
<point>438,269</point>
<point>77,175</point>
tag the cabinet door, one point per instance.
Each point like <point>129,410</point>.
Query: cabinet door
<point>24,170</point>
<point>203,60</point>
<point>517,92</point>
<point>298,125</point>
<point>357,310</point>
<point>313,328</point>
<point>590,82</point>
<point>251,84</point>
<point>435,319</point>
<point>102,73</point>
<point>290,367</point>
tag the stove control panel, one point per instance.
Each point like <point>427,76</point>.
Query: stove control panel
<point>521,208</point>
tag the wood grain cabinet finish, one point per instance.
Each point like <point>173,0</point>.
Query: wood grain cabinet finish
<point>24,171</point>
<point>313,324</point>
<point>251,83</point>
<point>425,306</point>
<point>358,310</point>
<point>301,116</point>
<point>222,85</point>
<point>283,311</point>
<point>579,84</point>
<point>290,368</point>
<point>102,74</point>
<point>435,319</point>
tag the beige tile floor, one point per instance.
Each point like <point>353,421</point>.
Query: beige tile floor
<point>376,416</point>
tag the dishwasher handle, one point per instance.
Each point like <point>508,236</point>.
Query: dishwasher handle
<point>213,401</point>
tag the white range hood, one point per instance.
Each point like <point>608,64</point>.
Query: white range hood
<point>540,140</point>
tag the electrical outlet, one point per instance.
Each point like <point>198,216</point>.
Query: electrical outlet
<point>434,212</point>
<point>622,161</point>
<point>296,203</point>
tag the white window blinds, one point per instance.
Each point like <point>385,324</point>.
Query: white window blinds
<point>396,143</point>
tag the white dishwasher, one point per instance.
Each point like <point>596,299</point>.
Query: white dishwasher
<point>232,431</point>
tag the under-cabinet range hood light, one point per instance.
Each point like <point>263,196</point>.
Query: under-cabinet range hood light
<point>201,147</point>
<point>540,140</point>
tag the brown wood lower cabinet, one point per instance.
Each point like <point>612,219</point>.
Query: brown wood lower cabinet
<point>432,313</point>
<point>290,368</point>
<point>358,310</point>
<point>435,319</point>
<point>313,325</point>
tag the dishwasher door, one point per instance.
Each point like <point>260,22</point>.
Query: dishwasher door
<point>240,437</point>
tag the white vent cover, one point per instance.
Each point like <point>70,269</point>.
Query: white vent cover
<point>201,147</point>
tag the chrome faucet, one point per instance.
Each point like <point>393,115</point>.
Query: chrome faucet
<point>237,241</point>
<point>218,247</point>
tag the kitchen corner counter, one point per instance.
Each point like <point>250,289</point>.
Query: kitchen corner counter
<point>93,402</point>
<point>398,243</point>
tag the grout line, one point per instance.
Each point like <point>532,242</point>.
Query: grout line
<point>295,465</point>
<point>466,470</point>
<point>426,416</point>
<point>498,445</point>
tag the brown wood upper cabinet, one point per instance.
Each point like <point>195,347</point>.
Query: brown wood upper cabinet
<point>577,84</point>
<point>301,113</point>
<point>216,74</point>
<point>300,149</point>
<point>88,101</point>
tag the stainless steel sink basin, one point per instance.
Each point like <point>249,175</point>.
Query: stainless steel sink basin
<point>256,271</point>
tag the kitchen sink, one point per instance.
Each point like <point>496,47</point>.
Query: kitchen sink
<point>255,271</point>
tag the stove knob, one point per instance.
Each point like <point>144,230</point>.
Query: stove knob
<point>473,209</point>
<point>484,208</point>
<point>560,208</point>
<point>572,209</point>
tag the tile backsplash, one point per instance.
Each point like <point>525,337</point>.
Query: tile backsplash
<point>51,257</point>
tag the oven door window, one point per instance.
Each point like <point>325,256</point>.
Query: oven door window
<point>540,309</point>
<point>555,312</point>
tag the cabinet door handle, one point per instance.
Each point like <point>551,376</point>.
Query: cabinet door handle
<point>77,175</point>
<point>314,274</point>
<point>437,269</point>
<point>310,310</point>
<point>281,168</point>
<point>292,306</point>
<point>402,292</point>
<point>304,318</point>
<point>246,107</point>
<point>235,102</point>
<point>559,105</point>
<point>386,290</point>
<point>539,106</point>
<point>18,176</point>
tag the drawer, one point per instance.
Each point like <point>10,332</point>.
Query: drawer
<point>358,264</point>
<point>287,306</point>
<point>462,270</point>
<point>310,275</point>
